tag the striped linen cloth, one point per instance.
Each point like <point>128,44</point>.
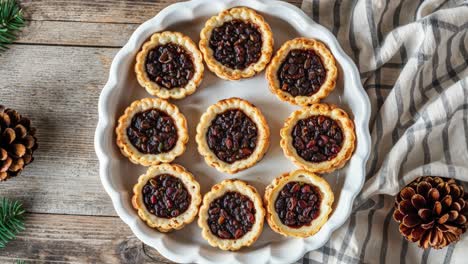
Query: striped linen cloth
<point>413,60</point>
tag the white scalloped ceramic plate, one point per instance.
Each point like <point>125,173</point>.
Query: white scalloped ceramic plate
<point>118,175</point>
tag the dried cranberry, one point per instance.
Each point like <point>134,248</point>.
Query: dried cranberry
<point>169,65</point>
<point>152,132</point>
<point>166,196</point>
<point>232,136</point>
<point>297,204</point>
<point>236,44</point>
<point>302,73</point>
<point>317,138</point>
<point>231,216</point>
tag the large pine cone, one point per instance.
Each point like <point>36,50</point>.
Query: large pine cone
<point>432,211</point>
<point>17,143</point>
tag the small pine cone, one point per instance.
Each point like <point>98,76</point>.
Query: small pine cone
<point>17,143</point>
<point>432,211</point>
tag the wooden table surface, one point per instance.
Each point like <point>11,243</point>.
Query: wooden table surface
<point>54,74</point>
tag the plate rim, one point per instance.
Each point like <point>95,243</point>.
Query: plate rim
<point>104,125</point>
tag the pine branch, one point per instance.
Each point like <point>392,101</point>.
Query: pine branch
<point>11,22</point>
<point>11,220</point>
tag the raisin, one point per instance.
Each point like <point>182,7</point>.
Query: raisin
<point>231,216</point>
<point>317,138</point>
<point>152,132</point>
<point>166,196</point>
<point>236,44</point>
<point>169,65</point>
<point>302,73</point>
<point>232,136</point>
<point>297,204</point>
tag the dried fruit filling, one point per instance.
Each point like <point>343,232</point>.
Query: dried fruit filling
<point>236,44</point>
<point>166,196</point>
<point>317,138</point>
<point>232,136</point>
<point>302,73</point>
<point>231,216</point>
<point>169,66</point>
<point>298,204</point>
<point>152,132</point>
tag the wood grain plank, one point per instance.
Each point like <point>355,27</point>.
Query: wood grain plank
<point>78,239</point>
<point>58,88</point>
<point>50,25</point>
<point>129,11</point>
<point>76,33</point>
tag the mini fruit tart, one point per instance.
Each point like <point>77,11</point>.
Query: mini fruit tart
<point>298,203</point>
<point>169,65</point>
<point>231,215</point>
<point>237,43</point>
<point>302,72</point>
<point>152,131</point>
<point>319,138</point>
<point>232,135</point>
<point>167,197</point>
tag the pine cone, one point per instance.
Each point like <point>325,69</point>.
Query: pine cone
<point>432,211</point>
<point>17,143</point>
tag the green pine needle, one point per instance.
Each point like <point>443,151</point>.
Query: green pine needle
<point>11,22</point>
<point>11,220</point>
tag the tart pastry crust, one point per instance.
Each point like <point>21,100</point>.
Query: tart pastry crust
<point>129,150</point>
<point>155,89</point>
<point>219,190</point>
<point>272,191</point>
<point>263,134</point>
<point>328,62</point>
<point>168,224</point>
<point>246,15</point>
<point>336,114</point>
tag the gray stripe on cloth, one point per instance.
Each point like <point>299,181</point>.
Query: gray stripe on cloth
<point>442,24</point>
<point>413,112</point>
<point>426,151</point>
<point>354,48</point>
<point>437,122</point>
<point>378,86</point>
<point>352,36</point>
<point>448,156</point>
<point>449,254</point>
<point>383,251</point>
<point>379,25</point>
<point>370,218</point>
<point>440,90</point>
<point>384,170</point>
<point>333,253</point>
<point>465,112</point>
<point>415,102</point>
<point>411,142</point>
<point>404,250</point>
<point>375,43</point>
<point>440,6</point>
<point>425,255</point>
<point>345,258</point>
<point>352,224</point>
<point>326,252</point>
<point>421,58</point>
<point>336,17</point>
<point>316,10</point>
